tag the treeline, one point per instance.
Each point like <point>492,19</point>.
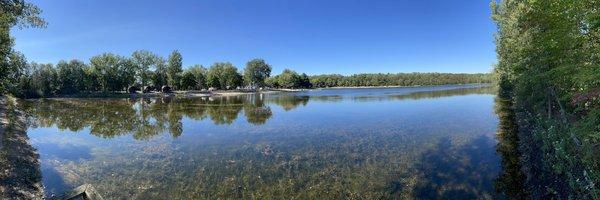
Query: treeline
<point>143,71</point>
<point>549,66</point>
<point>400,79</point>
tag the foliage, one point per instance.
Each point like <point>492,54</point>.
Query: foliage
<point>115,73</point>
<point>223,75</point>
<point>548,57</point>
<point>71,77</point>
<point>143,60</point>
<point>256,71</point>
<point>174,69</point>
<point>199,77</point>
<point>289,79</point>
<point>400,79</point>
<point>14,13</point>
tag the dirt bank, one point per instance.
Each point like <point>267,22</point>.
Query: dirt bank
<point>20,176</point>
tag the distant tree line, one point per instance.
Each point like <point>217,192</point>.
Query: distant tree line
<point>400,79</point>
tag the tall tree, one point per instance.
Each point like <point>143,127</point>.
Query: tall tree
<point>70,76</point>
<point>256,71</point>
<point>14,13</point>
<point>223,75</point>
<point>159,77</point>
<point>114,72</point>
<point>199,73</point>
<point>188,81</point>
<point>143,60</point>
<point>174,69</point>
<point>213,75</point>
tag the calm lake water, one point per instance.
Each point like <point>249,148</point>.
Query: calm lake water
<point>416,142</point>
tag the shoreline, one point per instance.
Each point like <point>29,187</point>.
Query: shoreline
<point>217,93</point>
<point>21,172</point>
<point>400,86</point>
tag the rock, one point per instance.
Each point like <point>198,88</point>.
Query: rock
<point>166,89</point>
<point>132,89</point>
<point>148,89</point>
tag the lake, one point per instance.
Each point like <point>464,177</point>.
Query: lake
<point>375,143</point>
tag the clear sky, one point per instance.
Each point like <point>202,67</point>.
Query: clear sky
<point>312,36</point>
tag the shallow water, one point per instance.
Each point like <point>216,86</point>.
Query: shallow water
<point>378,143</point>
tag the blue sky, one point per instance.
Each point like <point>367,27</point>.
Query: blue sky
<point>312,36</point>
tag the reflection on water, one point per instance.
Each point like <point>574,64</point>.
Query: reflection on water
<point>511,181</point>
<point>420,142</point>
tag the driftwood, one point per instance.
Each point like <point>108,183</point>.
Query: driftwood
<point>86,191</point>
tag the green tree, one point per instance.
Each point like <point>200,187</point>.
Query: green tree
<point>14,13</point>
<point>256,71</point>
<point>114,73</point>
<point>199,73</point>
<point>143,60</point>
<point>70,77</point>
<point>549,66</point>
<point>223,75</point>
<point>289,79</point>
<point>18,65</point>
<point>272,82</point>
<point>159,76</point>
<point>188,80</point>
<point>174,69</point>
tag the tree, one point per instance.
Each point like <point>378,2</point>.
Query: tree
<point>174,69</point>
<point>256,71</point>
<point>40,80</point>
<point>231,77</point>
<point>223,76</point>
<point>213,75</point>
<point>70,76</point>
<point>14,13</point>
<point>549,66</point>
<point>143,60</point>
<point>188,80</point>
<point>272,82</point>
<point>18,65</point>
<point>199,73</point>
<point>289,79</point>
<point>114,73</point>
<point>305,81</point>
<point>159,77</point>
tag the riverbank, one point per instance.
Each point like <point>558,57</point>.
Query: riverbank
<point>177,93</point>
<point>215,93</point>
<point>20,176</point>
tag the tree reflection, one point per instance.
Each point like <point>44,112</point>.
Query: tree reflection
<point>143,118</point>
<point>289,102</point>
<point>448,172</point>
<point>511,179</point>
